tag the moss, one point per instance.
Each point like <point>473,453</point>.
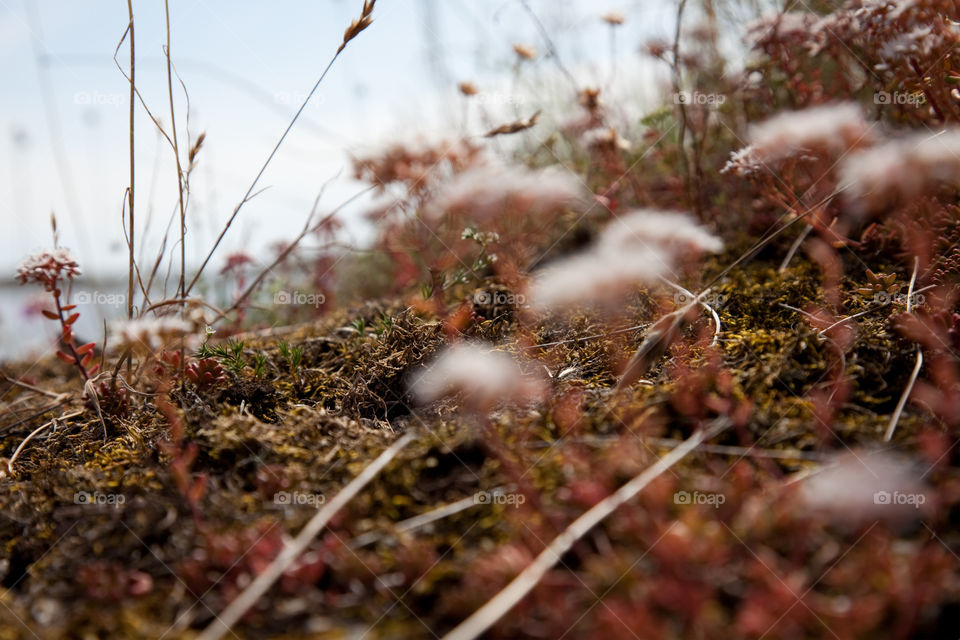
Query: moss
<point>312,429</point>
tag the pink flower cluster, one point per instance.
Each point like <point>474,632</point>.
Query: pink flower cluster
<point>48,267</point>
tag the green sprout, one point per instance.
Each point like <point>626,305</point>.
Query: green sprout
<point>260,365</point>
<point>230,354</point>
<point>292,355</point>
<point>384,324</point>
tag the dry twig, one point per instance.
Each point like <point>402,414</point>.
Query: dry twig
<point>487,615</point>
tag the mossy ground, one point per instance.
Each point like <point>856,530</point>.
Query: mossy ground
<point>154,567</point>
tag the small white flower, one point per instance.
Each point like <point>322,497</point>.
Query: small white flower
<point>640,247</point>
<point>864,486</point>
<point>483,376</point>
<point>744,162</point>
<point>900,169</point>
<point>487,191</point>
<point>150,335</point>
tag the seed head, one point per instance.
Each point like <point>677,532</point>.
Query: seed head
<point>525,51</point>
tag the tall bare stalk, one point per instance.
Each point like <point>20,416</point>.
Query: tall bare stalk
<point>130,200</point>
<point>176,153</point>
<point>676,78</point>
<point>355,28</point>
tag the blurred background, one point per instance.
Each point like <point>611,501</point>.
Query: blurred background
<point>246,67</point>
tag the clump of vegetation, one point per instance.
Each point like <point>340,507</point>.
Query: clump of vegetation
<point>54,270</point>
<point>692,374</point>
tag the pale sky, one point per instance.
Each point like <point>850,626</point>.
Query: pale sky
<point>247,65</point>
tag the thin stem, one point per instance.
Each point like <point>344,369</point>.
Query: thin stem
<point>176,153</point>
<point>699,298</point>
<point>895,418</point>
<point>30,387</point>
<point>307,228</point>
<point>65,328</point>
<point>675,77</point>
<point>56,405</point>
<point>260,173</point>
<point>249,597</point>
<point>416,522</point>
<point>131,260</point>
<point>551,47</point>
<point>613,54</point>
<point>513,593</point>
<point>794,248</point>
<point>34,434</point>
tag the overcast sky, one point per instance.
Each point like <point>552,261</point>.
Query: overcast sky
<point>247,66</point>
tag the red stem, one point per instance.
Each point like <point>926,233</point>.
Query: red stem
<point>64,326</point>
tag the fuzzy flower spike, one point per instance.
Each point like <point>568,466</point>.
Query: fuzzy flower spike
<point>825,131</point>
<point>482,376</point>
<point>898,170</point>
<point>641,247</point>
<point>487,191</point>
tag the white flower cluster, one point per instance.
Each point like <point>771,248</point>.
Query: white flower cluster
<point>900,169</point>
<point>487,191</point>
<point>150,335</point>
<point>640,247</point>
<point>483,376</point>
<point>827,130</point>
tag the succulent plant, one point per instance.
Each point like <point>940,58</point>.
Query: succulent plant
<point>205,374</point>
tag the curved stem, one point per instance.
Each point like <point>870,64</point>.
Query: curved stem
<point>249,597</point>
<point>487,615</point>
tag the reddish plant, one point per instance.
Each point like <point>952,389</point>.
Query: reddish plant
<point>53,268</point>
<point>110,581</point>
<point>182,456</point>
<point>206,373</point>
